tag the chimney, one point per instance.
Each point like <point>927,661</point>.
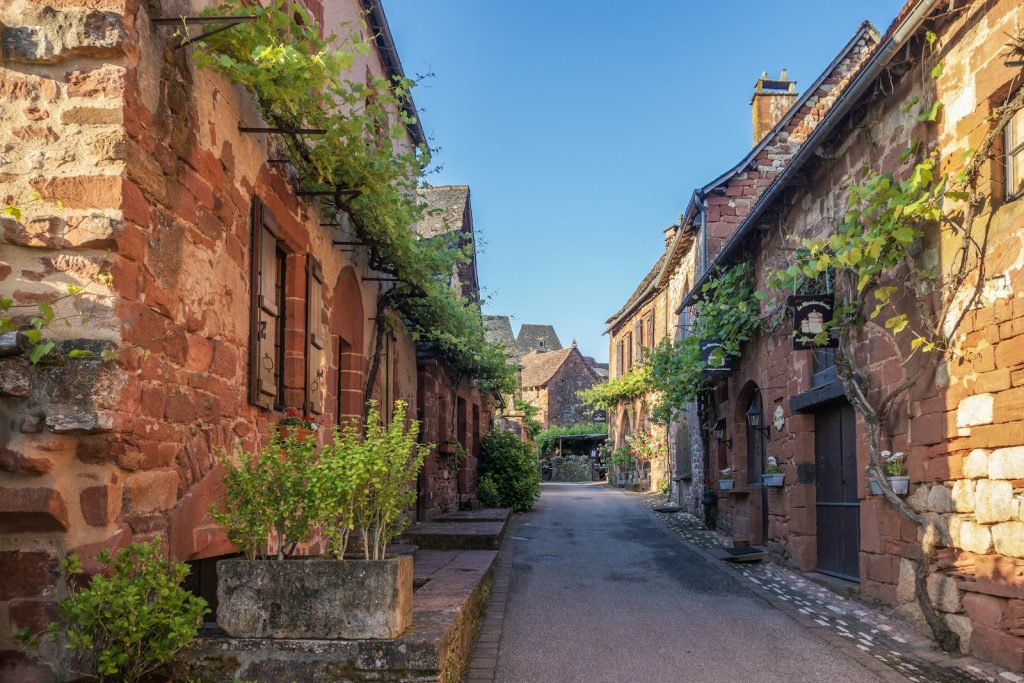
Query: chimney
<point>771,100</point>
<point>670,232</point>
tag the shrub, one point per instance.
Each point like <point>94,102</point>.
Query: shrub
<point>269,493</point>
<point>487,492</point>
<point>130,619</point>
<point>510,464</point>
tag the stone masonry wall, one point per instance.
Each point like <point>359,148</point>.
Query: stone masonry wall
<point>564,404</point>
<point>142,173</point>
<point>963,430</point>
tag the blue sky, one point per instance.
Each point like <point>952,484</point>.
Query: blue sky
<point>582,128</point>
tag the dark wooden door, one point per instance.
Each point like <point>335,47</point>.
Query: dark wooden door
<point>838,510</point>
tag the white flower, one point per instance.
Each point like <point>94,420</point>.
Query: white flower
<point>772,462</point>
<point>886,454</point>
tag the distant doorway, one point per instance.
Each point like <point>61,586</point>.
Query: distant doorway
<point>838,508</point>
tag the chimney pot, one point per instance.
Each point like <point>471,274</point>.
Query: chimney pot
<point>770,102</point>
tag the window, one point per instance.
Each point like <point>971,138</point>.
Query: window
<point>619,357</point>
<point>1014,146</point>
<point>639,335</point>
<point>316,339</point>
<point>266,311</point>
<point>650,329</point>
<point>629,351</point>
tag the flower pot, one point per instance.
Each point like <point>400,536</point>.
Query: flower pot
<point>900,485</point>
<point>315,597</point>
<point>773,480</point>
<point>725,484</point>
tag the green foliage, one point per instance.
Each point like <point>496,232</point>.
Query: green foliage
<point>531,424</point>
<point>361,481</point>
<point>547,441</point>
<point>301,80</point>
<point>131,617</point>
<point>884,222</point>
<point>728,310</point>
<point>648,447</point>
<point>269,494</point>
<point>622,458</point>
<point>383,469</point>
<point>487,492</point>
<point>608,395</point>
<point>511,466</point>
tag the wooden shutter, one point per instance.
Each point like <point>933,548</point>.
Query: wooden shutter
<point>265,311</point>
<point>316,339</point>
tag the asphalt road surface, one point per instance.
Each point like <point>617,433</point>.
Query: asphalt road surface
<point>602,591</point>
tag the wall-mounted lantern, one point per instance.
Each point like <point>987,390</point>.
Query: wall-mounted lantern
<point>719,430</point>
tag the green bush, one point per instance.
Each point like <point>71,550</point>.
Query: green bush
<point>510,465</point>
<point>487,492</point>
<point>131,617</point>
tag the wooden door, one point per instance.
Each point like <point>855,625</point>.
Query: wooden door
<point>838,509</point>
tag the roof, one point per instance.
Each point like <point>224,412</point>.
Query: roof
<point>540,366</point>
<point>446,209</point>
<point>498,330</point>
<point>536,337</point>
<point>641,290</point>
<point>389,55</point>
<point>902,29</point>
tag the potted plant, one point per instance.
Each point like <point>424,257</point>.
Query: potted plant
<point>725,479</point>
<point>773,476</point>
<point>895,468</point>
<point>359,484</point>
<point>302,425</point>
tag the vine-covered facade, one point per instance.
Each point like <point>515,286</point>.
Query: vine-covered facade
<point>234,300</point>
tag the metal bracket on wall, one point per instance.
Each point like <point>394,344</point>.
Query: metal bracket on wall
<point>228,22</point>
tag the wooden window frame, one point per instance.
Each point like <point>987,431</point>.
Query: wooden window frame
<point>266,253</point>
<point>1013,149</point>
<point>317,355</point>
<point>629,351</point>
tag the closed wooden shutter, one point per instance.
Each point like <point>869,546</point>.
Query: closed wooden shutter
<point>265,311</point>
<point>316,339</point>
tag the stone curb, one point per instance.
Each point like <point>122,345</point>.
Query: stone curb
<point>483,662</point>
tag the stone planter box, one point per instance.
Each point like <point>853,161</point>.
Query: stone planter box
<point>315,598</point>
<point>900,485</point>
<point>725,484</point>
<point>773,480</point>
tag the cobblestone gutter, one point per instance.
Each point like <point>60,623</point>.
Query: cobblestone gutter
<point>884,644</point>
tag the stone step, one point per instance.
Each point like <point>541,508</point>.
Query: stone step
<point>482,515</point>
<point>455,535</point>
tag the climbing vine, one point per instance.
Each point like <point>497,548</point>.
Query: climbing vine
<point>623,388</point>
<point>884,261</point>
<point>347,138</point>
<point>728,311</point>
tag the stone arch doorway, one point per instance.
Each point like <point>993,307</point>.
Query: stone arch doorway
<point>347,323</point>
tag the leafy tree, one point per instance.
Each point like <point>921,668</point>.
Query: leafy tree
<point>547,441</point>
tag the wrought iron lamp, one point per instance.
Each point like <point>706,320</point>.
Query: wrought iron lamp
<point>719,430</point>
<point>754,419</point>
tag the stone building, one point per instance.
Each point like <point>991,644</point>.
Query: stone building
<point>782,120</point>
<point>962,429</point>
<point>537,338</point>
<point>551,381</point>
<point>228,302</point>
<point>646,319</point>
<point>454,413</point>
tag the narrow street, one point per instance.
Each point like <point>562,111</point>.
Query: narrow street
<point>600,590</point>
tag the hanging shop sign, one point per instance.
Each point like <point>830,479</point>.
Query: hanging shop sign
<point>811,313</point>
<point>717,361</point>
<point>599,416</point>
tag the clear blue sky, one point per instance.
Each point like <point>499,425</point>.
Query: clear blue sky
<point>582,126</point>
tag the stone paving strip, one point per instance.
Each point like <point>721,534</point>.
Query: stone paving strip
<point>484,659</point>
<point>851,625</point>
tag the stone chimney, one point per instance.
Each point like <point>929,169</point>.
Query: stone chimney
<point>771,100</point>
<point>670,233</point>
